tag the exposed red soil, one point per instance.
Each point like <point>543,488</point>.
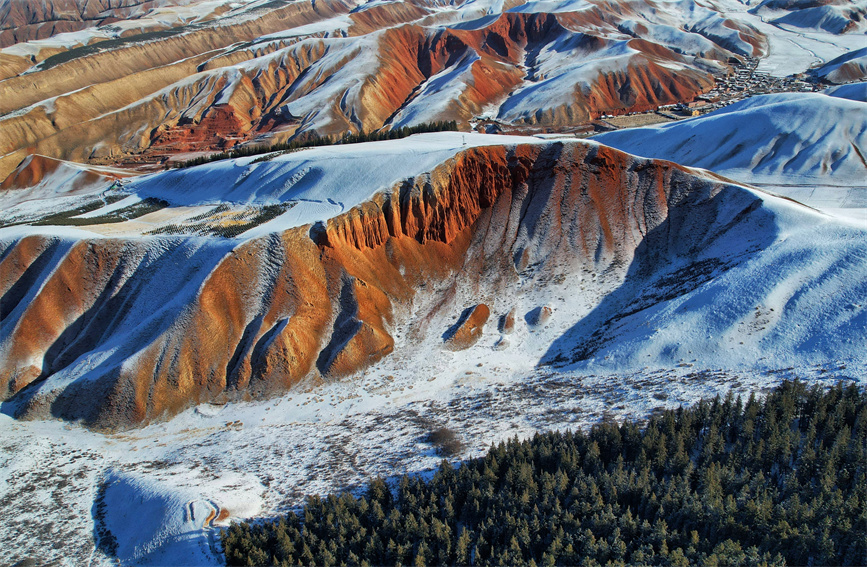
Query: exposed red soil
<point>326,302</point>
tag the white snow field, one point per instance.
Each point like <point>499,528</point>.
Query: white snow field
<point>781,296</point>
<point>811,147</point>
<point>320,182</point>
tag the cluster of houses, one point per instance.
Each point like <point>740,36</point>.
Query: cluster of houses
<point>741,82</point>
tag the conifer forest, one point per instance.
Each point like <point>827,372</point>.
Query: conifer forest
<point>779,480</point>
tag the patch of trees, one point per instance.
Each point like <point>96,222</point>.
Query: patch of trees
<point>397,133</point>
<point>315,141</point>
<point>726,482</point>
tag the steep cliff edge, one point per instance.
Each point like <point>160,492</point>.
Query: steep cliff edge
<point>120,332</point>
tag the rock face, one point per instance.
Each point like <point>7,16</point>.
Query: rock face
<point>118,332</point>
<point>468,330</point>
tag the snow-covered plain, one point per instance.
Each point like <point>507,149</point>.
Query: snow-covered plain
<point>342,175</point>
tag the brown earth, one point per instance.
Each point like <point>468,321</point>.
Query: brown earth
<point>507,322</point>
<point>469,328</point>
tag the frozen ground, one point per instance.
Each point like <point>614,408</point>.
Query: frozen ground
<point>152,496</point>
<point>314,184</point>
<point>321,182</point>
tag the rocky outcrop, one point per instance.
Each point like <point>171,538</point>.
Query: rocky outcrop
<point>538,316</point>
<point>506,324</point>
<point>121,332</point>
<point>469,328</point>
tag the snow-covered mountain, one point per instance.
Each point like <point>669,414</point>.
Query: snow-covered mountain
<point>365,260</point>
<point>798,137</point>
<point>807,146</point>
<point>59,24</point>
<point>215,75</point>
<point>848,67</point>
<point>181,348</point>
<point>547,283</point>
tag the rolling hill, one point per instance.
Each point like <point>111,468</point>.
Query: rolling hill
<point>793,138</point>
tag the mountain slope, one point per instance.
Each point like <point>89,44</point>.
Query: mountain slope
<point>785,138</point>
<point>273,72</point>
<point>844,69</point>
<point>117,332</point>
<point>146,82</point>
<point>837,19</point>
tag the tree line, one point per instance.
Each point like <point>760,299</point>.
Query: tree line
<point>773,481</point>
<point>316,140</point>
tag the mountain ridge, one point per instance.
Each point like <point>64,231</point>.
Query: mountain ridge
<point>328,298</point>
